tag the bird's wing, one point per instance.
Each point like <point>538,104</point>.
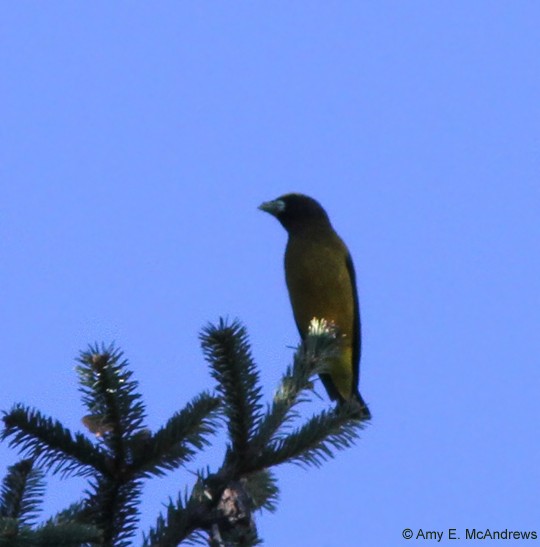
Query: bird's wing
<point>357,326</point>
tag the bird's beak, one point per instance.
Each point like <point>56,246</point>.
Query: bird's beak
<point>273,207</point>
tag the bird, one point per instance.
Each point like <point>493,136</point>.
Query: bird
<point>321,283</point>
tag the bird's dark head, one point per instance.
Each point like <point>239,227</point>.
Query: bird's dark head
<point>295,211</point>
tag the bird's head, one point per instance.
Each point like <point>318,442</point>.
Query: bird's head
<point>295,211</point>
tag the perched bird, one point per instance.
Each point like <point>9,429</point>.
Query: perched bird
<point>322,284</point>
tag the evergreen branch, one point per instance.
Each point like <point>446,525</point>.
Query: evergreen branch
<point>111,396</point>
<point>178,441</point>
<point>283,412</point>
<point>263,490</point>
<point>316,441</point>
<point>76,512</point>
<point>67,534</point>
<point>232,522</point>
<point>217,505</point>
<point>9,532</point>
<point>112,506</point>
<point>227,350</point>
<point>49,443</point>
<point>182,521</point>
<point>310,359</point>
<point>21,493</point>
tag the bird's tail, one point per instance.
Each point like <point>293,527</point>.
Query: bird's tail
<point>363,410</point>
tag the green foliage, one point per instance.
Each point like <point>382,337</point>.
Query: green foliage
<point>314,442</point>
<point>20,497</point>
<point>48,442</point>
<point>226,348</point>
<point>123,452</point>
<point>263,490</point>
<point>109,393</point>
<point>21,491</point>
<point>184,434</point>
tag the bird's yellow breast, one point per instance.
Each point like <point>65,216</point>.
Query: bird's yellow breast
<point>320,285</point>
<point>319,282</point>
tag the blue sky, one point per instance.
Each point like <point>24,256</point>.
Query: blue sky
<point>136,142</point>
